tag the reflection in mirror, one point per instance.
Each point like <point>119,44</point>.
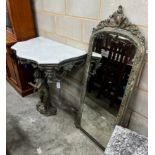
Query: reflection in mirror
<point>111,63</point>
<point>113,67</point>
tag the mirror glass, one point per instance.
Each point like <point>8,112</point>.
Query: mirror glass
<point>111,63</point>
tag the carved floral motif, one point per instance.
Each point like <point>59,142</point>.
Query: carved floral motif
<point>119,20</point>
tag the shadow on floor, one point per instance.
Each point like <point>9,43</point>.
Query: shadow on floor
<point>16,137</point>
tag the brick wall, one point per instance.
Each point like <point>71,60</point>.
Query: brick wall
<point>71,22</point>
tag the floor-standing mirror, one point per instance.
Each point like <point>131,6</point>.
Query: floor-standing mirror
<point>114,63</point>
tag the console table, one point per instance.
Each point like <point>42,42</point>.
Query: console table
<point>51,61</point>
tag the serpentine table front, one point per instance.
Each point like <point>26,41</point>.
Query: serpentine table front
<point>51,60</point>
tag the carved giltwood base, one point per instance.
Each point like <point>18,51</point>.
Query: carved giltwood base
<point>45,106</point>
<point>47,112</point>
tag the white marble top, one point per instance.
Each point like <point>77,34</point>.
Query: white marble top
<point>46,51</point>
<point>96,55</point>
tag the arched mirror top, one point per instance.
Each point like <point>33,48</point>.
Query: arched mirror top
<point>118,24</point>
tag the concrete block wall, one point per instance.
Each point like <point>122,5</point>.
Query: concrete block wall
<point>71,22</point>
<point>139,105</point>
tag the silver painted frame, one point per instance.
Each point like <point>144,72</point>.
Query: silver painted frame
<point>117,24</point>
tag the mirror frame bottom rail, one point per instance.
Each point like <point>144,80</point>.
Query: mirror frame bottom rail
<point>93,139</point>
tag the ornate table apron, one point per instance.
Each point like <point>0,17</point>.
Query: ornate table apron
<point>45,75</point>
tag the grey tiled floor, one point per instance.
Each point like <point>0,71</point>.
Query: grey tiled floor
<point>29,133</point>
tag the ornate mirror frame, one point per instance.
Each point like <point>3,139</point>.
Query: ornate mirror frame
<point>117,24</point>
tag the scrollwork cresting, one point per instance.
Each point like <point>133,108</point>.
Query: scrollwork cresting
<point>119,20</point>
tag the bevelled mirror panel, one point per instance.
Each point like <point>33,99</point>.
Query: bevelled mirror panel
<point>114,63</point>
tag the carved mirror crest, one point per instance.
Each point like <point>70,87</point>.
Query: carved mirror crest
<point>113,67</point>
